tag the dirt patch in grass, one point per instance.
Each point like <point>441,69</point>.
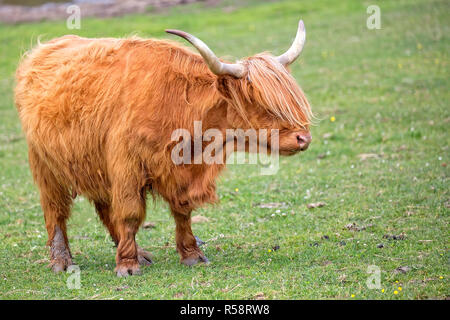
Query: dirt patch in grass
<point>12,14</point>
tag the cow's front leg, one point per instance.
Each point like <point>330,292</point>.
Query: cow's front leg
<point>104,211</point>
<point>127,262</point>
<point>128,214</point>
<point>187,247</point>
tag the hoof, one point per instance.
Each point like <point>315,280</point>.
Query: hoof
<point>128,269</point>
<point>193,260</point>
<point>58,266</point>
<point>144,257</point>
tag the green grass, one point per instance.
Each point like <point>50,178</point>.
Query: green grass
<point>388,92</point>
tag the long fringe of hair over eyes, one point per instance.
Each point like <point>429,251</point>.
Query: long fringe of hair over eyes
<point>272,87</point>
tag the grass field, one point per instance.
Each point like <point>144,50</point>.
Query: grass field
<point>379,160</point>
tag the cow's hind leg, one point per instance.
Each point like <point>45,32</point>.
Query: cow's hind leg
<point>56,203</point>
<point>187,246</point>
<point>104,212</point>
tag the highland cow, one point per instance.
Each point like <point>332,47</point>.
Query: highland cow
<point>98,115</point>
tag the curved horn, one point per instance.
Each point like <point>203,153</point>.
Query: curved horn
<point>214,64</point>
<point>297,46</point>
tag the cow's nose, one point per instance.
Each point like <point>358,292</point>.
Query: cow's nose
<point>304,139</point>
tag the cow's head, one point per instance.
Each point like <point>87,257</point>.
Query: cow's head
<point>261,92</point>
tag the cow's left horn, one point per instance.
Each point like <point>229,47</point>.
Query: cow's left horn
<point>215,65</point>
<point>297,46</point>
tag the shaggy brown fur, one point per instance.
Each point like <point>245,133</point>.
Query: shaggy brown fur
<point>98,115</point>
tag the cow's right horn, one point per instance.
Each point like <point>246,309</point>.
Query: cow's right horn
<point>297,46</point>
<point>215,65</point>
